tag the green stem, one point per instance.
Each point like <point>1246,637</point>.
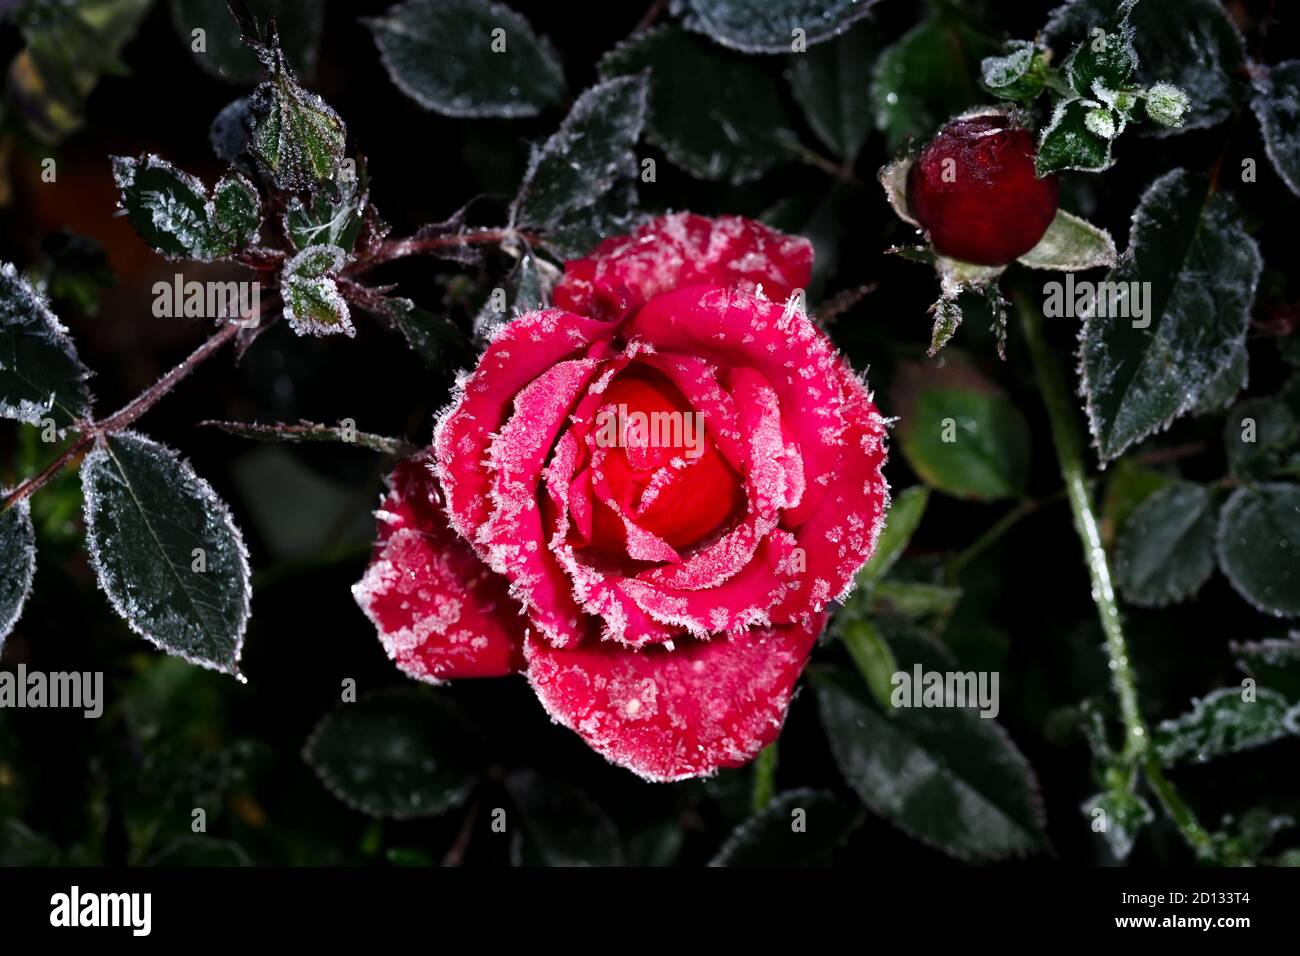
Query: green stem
<point>764,777</point>
<point>1069,453</point>
<point>990,537</point>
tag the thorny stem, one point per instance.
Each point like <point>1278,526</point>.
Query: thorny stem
<point>1069,454</point>
<point>417,245</point>
<point>125,416</point>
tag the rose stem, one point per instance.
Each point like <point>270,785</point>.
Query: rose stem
<point>764,777</point>
<point>1069,454</point>
<point>123,417</point>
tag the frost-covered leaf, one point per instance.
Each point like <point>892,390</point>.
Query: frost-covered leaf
<point>893,179</point>
<point>614,213</point>
<point>1071,244</point>
<point>1126,813</point>
<point>562,826</point>
<point>238,210</point>
<point>332,216</point>
<point>1273,661</point>
<point>1020,73</point>
<point>960,433</point>
<point>166,551</point>
<point>1277,107</point>
<point>1166,548</point>
<point>1257,436</point>
<point>715,114</point>
<point>17,564</point>
<point>172,212</point>
<point>396,755</point>
<point>468,58</point>
<point>1067,141</point>
<point>1226,385</point>
<point>1191,44</point>
<point>296,135</point>
<point>1259,540</point>
<point>40,373</point>
<point>590,154</point>
<point>1104,60</point>
<point>770,26</point>
<point>528,287</point>
<point>313,304</point>
<point>798,828</point>
<point>1222,723</point>
<point>225,55</point>
<point>437,340</point>
<point>829,82</point>
<point>943,775</point>
<point>921,81</point>
<point>1189,250</point>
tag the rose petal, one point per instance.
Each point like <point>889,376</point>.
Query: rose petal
<point>674,714</point>
<point>673,251</point>
<point>440,612</point>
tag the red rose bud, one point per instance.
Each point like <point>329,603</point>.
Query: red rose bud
<point>973,189</point>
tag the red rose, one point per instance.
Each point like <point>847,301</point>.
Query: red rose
<point>644,499</point>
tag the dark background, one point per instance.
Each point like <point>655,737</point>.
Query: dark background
<point>118,789</point>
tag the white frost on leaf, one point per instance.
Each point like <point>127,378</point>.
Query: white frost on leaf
<point>17,564</point>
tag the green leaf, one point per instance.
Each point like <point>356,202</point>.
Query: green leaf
<point>1166,550</point>
<point>1257,435</point>
<point>40,373</point>
<point>921,81</point>
<point>18,563</point>
<point>1067,142</point>
<point>1274,662</point>
<point>586,158</point>
<point>614,213</point>
<point>1226,384</point>
<point>171,211</point>
<point>441,54</point>
<point>396,755</point>
<point>22,846</point>
<point>717,115</point>
<point>913,599</point>
<point>435,338</point>
<point>828,82</point>
<point>1019,74</point>
<point>962,435</point>
<point>331,217</point>
<point>1124,815</point>
<point>70,46</point>
<point>1102,63</point>
<point>769,26</point>
<point>945,776</point>
<point>1128,485</point>
<point>1222,723</point>
<point>201,851</point>
<point>528,287</point>
<point>562,826</point>
<point>1141,374</point>
<point>296,136</point>
<point>226,56</point>
<point>1277,107</point>
<point>166,551</point>
<point>1189,43</point>
<point>905,513</point>
<point>238,210</point>
<point>1071,244</point>
<point>797,828</point>
<point>312,302</point>
<point>1259,538</point>
<point>871,656</point>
